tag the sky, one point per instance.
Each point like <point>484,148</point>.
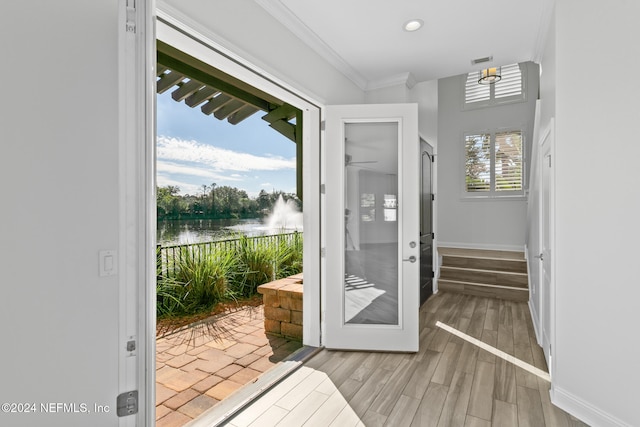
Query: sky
<point>194,149</point>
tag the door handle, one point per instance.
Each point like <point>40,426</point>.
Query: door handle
<point>411,259</point>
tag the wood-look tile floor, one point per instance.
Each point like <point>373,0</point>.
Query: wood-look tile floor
<point>449,382</point>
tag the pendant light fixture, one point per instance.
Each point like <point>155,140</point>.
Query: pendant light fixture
<point>489,76</point>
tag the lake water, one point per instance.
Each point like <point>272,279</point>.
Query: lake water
<point>206,230</point>
<point>285,218</point>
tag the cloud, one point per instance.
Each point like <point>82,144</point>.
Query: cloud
<point>207,157</point>
<point>185,187</point>
<point>170,168</point>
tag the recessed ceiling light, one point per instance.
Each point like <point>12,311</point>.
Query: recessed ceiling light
<point>413,25</point>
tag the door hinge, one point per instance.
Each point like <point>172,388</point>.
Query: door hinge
<point>323,252</point>
<point>131,16</point>
<point>433,235</point>
<point>127,403</point>
<point>323,124</point>
<point>322,189</point>
<point>433,158</point>
<point>433,197</point>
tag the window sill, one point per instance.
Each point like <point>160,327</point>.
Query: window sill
<point>518,198</point>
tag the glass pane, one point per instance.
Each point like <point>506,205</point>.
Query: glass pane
<point>509,161</point>
<point>371,223</point>
<point>478,162</point>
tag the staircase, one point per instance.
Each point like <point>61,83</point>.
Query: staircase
<point>497,274</point>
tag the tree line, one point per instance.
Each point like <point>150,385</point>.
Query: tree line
<point>216,202</point>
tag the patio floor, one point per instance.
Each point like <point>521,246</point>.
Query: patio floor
<point>201,365</point>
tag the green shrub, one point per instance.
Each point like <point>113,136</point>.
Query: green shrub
<point>288,259</point>
<point>199,280</point>
<point>168,297</point>
<point>200,277</point>
<point>256,262</point>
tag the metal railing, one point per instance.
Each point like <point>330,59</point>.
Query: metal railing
<point>168,257</point>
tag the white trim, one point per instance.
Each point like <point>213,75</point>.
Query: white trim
<point>184,38</point>
<point>406,79</point>
<point>536,317</point>
<point>532,308</point>
<point>222,46</point>
<point>583,410</point>
<point>287,18</point>
<point>483,246</point>
<point>136,212</point>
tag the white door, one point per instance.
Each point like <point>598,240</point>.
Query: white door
<point>372,155</point>
<point>546,243</point>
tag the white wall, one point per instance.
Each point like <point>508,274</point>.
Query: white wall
<point>398,93</point>
<point>491,224</point>
<point>59,169</point>
<point>252,33</point>
<point>597,345</point>
<point>426,95</point>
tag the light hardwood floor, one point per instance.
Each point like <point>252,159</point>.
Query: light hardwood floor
<point>449,382</point>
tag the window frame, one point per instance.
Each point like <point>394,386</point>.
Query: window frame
<point>492,193</point>
<point>492,101</point>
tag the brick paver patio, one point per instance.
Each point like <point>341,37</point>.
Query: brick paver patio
<point>198,367</point>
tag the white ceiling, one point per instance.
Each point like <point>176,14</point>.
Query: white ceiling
<point>366,41</point>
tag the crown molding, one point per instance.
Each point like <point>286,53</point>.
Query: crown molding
<point>287,18</point>
<point>399,79</point>
<point>543,30</point>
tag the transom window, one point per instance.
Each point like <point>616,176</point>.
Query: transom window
<point>494,164</point>
<point>509,89</point>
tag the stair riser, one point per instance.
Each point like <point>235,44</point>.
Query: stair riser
<point>486,277</point>
<point>485,264</point>
<point>483,291</point>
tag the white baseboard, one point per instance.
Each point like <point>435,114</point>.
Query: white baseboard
<point>487,246</point>
<point>535,318</point>
<point>583,410</point>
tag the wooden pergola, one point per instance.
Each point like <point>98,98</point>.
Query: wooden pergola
<point>225,97</point>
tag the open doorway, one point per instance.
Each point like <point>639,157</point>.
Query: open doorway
<point>197,82</point>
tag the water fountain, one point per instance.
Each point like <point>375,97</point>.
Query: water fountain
<point>285,216</point>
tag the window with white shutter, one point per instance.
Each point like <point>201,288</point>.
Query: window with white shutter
<point>493,164</point>
<point>510,88</point>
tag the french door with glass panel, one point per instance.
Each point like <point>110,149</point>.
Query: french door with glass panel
<point>372,238</point>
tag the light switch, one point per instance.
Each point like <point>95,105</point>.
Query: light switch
<point>108,263</point>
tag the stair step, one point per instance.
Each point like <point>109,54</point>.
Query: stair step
<point>493,264</point>
<point>482,253</point>
<point>489,277</point>
<point>483,290</point>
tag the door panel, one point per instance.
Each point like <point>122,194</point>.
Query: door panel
<point>426,221</point>
<point>547,291</point>
<point>372,227</point>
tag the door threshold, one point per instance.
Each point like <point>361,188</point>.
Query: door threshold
<point>226,409</point>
